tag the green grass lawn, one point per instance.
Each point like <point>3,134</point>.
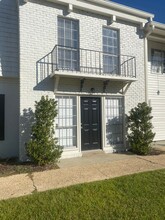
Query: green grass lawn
<point>140,196</point>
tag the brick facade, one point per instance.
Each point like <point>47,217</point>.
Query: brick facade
<point>38,35</point>
<point>29,32</point>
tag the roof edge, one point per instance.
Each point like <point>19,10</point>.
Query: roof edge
<point>123,8</point>
<point>158,25</point>
<point>107,8</point>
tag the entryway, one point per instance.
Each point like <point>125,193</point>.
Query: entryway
<point>90,123</point>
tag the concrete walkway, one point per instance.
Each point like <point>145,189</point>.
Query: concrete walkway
<point>91,167</point>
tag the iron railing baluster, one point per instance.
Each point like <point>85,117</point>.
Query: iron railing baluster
<point>100,62</point>
<point>88,61</point>
<point>90,58</point>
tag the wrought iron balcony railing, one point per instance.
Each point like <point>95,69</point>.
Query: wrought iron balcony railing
<point>86,61</point>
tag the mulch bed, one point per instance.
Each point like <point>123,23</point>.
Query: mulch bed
<point>157,151</point>
<point>12,166</point>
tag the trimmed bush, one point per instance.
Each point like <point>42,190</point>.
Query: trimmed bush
<point>43,148</point>
<point>140,127</point>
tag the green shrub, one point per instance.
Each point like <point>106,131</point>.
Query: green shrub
<point>140,128</point>
<point>43,148</point>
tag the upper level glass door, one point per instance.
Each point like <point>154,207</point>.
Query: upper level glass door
<point>68,41</point>
<point>110,51</point>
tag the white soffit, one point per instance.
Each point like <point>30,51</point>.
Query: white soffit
<point>159,31</point>
<point>109,9</point>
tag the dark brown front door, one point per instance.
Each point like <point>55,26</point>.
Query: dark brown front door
<point>90,123</point>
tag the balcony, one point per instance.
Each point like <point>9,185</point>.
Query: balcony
<point>83,63</point>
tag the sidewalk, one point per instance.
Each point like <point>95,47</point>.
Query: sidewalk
<point>91,167</point>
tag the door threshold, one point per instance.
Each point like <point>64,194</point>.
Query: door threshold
<point>92,152</point>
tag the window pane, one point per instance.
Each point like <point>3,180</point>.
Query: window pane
<point>68,34</point>
<point>105,49</point>
<point>60,22</point>
<point>68,23</point>
<point>110,41</point>
<point>75,25</point>
<point>68,37</point>
<point>104,31</point>
<point>67,54</point>
<point>74,44</point>
<point>105,40</point>
<point>66,129</point>
<point>115,41</point>
<point>60,32</point>
<point>61,41</point>
<point>110,46</point>
<point>114,121</point>
<point>74,55</point>
<point>74,35</point>
<point>157,61</point>
<point>114,34</point>
<point>68,43</point>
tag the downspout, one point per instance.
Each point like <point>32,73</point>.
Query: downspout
<point>18,23</point>
<point>151,29</point>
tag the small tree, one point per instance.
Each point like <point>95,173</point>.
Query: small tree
<point>43,148</point>
<point>140,127</point>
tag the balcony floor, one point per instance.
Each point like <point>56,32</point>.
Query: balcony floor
<point>96,76</point>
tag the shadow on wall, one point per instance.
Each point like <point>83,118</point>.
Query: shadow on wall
<point>43,71</point>
<point>26,122</point>
<point>8,38</point>
<point>46,84</point>
<point>114,132</point>
<point>44,67</point>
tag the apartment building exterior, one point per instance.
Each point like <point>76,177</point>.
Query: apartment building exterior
<point>98,59</point>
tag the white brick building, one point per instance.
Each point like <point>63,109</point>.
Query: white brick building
<point>92,56</point>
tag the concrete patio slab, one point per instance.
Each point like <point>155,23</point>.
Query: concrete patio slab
<point>66,177</point>
<point>94,157</point>
<point>93,166</point>
<point>127,167</point>
<point>15,186</point>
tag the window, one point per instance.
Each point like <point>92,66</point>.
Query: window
<point>2,117</point>
<point>110,51</point>
<point>114,120</point>
<point>66,121</point>
<point>157,61</point>
<point>68,41</point>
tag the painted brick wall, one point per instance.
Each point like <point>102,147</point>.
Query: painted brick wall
<point>8,38</point>
<point>38,36</point>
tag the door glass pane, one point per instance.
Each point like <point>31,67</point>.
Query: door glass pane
<point>114,121</point>
<point>66,121</point>
<point>68,39</point>
<point>110,51</point>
